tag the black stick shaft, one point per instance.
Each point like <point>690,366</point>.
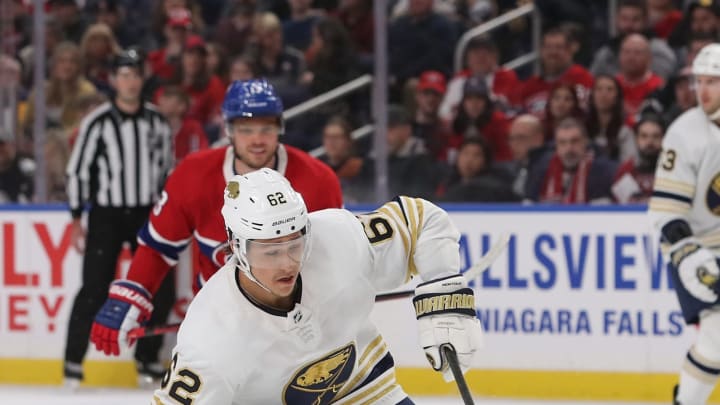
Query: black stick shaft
<point>454,364</point>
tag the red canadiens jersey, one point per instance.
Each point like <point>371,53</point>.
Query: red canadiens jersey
<point>535,91</point>
<point>189,207</point>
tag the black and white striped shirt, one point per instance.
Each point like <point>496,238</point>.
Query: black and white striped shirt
<point>119,160</point>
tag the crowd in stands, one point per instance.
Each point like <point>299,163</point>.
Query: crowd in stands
<point>584,127</point>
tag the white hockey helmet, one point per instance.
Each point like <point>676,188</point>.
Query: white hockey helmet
<point>707,61</point>
<point>263,205</point>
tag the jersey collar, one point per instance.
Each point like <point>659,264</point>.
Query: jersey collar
<point>281,161</point>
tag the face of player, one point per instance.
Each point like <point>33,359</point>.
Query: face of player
<point>128,82</point>
<point>571,146</point>
<point>276,263</point>
<point>255,141</point>
<point>707,89</point>
<point>649,140</point>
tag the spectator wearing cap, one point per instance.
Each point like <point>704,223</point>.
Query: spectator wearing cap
<point>206,90</point>
<point>427,124</point>
<point>633,182</point>
<point>631,18</point>
<point>98,49</point>
<point>635,77</point>
<point>67,13</point>
<point>474,178</point>
<point>479,117</point>
<point>235,28</point>
<point>188,134</point>
<point>418,41</point>
<point>64,87</point>
<point>573,174</point>
<point>163,11</point>
<point>557,67</point>
<point>481,59</point>
<point>297,30</point>
<point>165,61</point>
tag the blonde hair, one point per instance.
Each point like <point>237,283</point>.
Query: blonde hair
<point>267,22</point>
<point>55,91</point>
<point>99,30</point>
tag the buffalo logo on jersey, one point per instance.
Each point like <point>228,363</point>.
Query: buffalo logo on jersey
<point>712,199</point>
<point>706,277</point>
<point>233,189</point>
<point>320,381</point>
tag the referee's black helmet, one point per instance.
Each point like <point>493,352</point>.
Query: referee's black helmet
<point>131,57</point>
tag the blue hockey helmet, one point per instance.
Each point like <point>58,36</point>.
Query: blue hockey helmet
<point>252,98</point>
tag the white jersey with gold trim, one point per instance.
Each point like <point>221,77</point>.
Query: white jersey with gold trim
<point>231,351</point>
<point>687,178</point>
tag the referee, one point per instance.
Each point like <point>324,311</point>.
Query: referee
<point>118,165</point>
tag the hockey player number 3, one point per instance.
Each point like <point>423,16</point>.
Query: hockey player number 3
<point>668,162</point>
<point>184,385</point>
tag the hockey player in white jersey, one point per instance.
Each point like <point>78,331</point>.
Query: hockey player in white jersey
<point>285,321</point>
<point>685,209</point>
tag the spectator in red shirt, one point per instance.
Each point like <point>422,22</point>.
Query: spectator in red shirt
<point>478,117</point>
<point>164,62</point>
<point>562,103</point>
<point>635,177</point>
<point>663,17</point>
<point>481,59</point>
<point>427,124</point>
<point>188,134</point>
<point>635,77</point>
<point>557,66</point>
<point>206,91</point>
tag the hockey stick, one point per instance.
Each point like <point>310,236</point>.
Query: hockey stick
<point>451,357</point>
<point>478,268</point>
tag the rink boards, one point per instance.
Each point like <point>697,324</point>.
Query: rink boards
<point>579,306</point>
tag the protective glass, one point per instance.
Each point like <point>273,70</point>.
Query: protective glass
<point>274,255</point>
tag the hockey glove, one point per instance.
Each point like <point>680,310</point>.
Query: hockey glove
<point>445,309</point>
<point>127,307</point>
<point>697,269</point>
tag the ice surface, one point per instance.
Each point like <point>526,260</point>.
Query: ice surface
<point>32,395</point>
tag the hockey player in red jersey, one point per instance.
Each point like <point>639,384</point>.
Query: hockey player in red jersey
<point>189,207</point>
